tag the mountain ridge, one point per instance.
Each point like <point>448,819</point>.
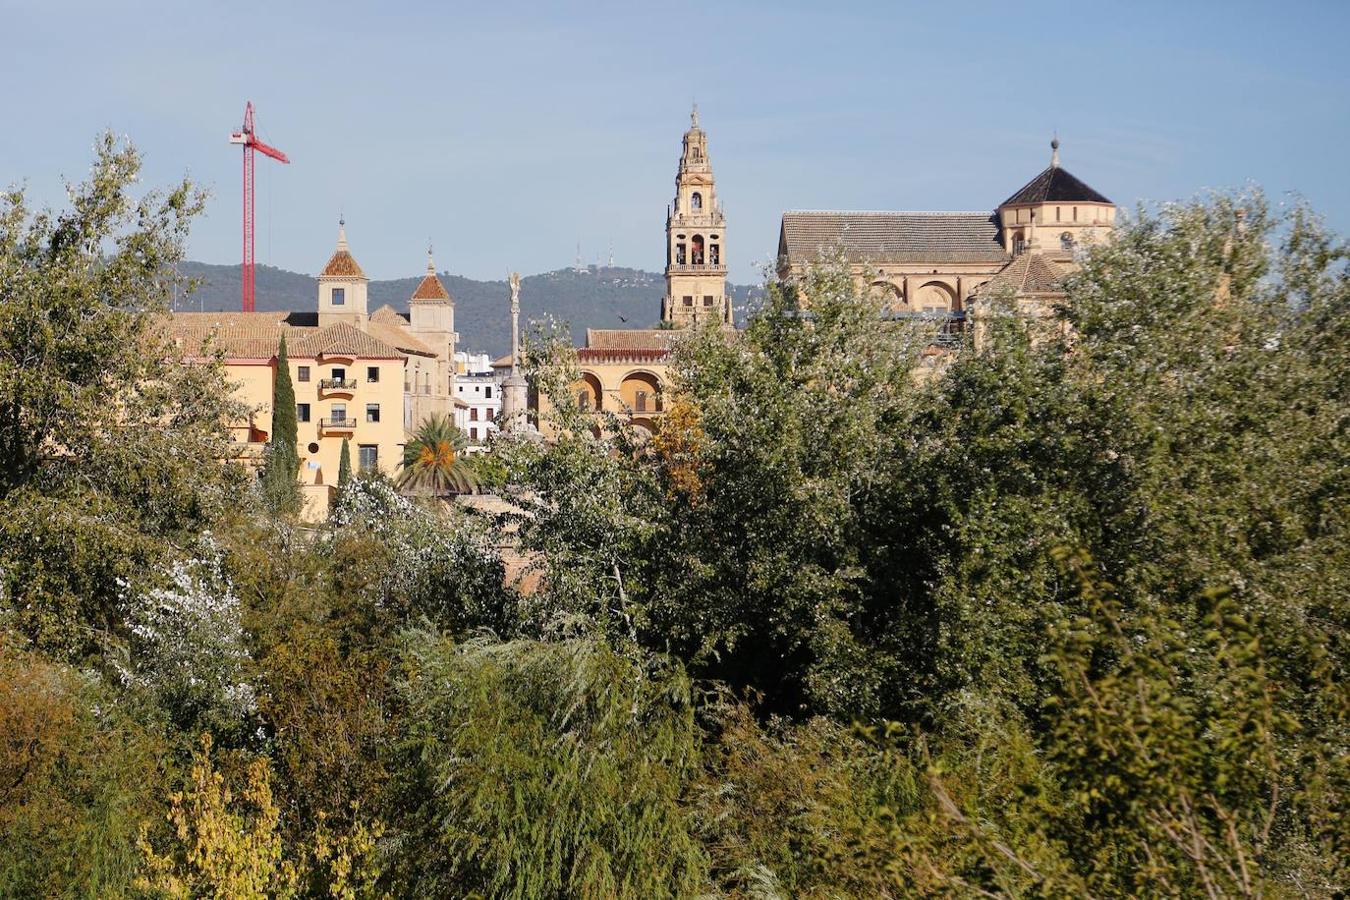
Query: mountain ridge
<point>597,297</point>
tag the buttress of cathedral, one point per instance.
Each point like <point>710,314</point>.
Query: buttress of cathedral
<point>696,271</point>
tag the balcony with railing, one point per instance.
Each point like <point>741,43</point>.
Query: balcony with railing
<point>701,219</point>
<point>337,385</point>
<point>343,424</point>
<point>697,269</point>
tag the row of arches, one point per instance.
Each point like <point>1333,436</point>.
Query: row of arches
<point>931,297</point>
<point>693,253</point>
<point>638,392</point>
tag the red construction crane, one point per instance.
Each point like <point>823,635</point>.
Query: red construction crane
<point>250,141</point>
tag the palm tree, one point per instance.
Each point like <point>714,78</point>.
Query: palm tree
<point>433,460</point>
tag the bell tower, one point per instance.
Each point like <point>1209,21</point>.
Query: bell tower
<point>342,286</point>
<point>696,271</point>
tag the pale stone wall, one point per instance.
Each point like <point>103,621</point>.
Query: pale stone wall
<point>1042,226</point>
<point>353,309</point>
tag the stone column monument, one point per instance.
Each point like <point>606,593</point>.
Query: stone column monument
<point>515,412</point>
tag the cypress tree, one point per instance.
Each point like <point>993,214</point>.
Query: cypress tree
<point>282,460</point>
<point>345,463</point>
<point>284,426</point>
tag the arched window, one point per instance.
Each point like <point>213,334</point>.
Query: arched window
<point>696,250</point>
<point>696,201</point>
<point>714,256</point>
<point>641,404</point>
<point>583,399</point>
<point>1066,242</point>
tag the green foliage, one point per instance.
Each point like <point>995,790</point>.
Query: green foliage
<point>345,463</point>
<point>547,770</point>
<point>284,425</point>
<point>434,460</point>
<point>1061,614</point>
<point>110,446</point>
<point>280,489</point>
<point>226,842</point>
<point>787,810</point>
<point>187,650</point>
<point>490,472</point>
<point>74,771</point>
<point>415,560</point>
<point>281,460</point>
<point>863,540</point>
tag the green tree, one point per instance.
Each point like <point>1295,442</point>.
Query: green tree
<point>595,748</point>
<point>433,460</point>
<point>282,458</point>
<point>345,463</point>
<point>113,438</point>
<point>76,768</point>
<point>284,425</point>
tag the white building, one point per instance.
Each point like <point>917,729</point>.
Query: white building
<point>478,388</point>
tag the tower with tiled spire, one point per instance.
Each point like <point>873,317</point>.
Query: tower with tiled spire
<point>432,318</point>
<point>696,272</point>
<point>1054,213</point>
<point>343,286</point>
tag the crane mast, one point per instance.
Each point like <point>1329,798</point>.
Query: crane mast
<point>247,138</point>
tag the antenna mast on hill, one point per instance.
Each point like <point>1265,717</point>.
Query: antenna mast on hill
<point>246,137</point>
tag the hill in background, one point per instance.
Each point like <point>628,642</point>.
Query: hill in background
<point>600,297</point>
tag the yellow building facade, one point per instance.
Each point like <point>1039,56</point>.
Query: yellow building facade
<point>360,377</point>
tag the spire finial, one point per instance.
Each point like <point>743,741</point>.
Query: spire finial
<point>693,116</point>
<point>1054,151</point>
<point>431,265</point>
<point>342,232</point>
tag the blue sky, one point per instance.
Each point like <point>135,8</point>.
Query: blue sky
<point>507,132</point>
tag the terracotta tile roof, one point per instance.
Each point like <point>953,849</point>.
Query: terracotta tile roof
<point>1054,184</point>
<point>619,354</point>
<point>342,338</point>
<point>257,335</point>
<point>630,338</point>
<point>239,335</point>
<point>1030,273</point>
<point>399,336</point>
<point>431,288</point>
<point>807,236</point>
<point>387,315</point>
<point>343,264</point>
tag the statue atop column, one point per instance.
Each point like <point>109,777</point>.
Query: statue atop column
<point>514,281</point>
<point>515,402</point>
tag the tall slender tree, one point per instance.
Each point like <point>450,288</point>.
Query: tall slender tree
<point>284,426</point>
<point>345,463</point>
<point>282,460</point>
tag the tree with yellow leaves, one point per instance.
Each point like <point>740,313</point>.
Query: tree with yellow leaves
<point>678,447</point>
<point>227,843</point>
